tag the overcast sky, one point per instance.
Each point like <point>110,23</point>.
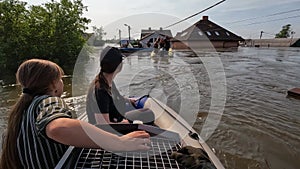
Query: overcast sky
<point>142,14</point>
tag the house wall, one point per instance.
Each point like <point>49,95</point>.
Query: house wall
<point>203,44</point>
<point>179,45</point>
<point>281,42</point>
<point>230,44</point>
<point>200,44</point>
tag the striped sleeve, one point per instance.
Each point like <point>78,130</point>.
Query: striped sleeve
<point>50,109</point>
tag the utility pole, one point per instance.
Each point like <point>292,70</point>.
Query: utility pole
<point>260,43</point>
<point>128,31</point>
<point>120,37</point>
<point>261,32</point>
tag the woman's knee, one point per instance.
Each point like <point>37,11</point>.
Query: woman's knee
<point>144,115</point>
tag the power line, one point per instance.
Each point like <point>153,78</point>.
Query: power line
<point>265,16</point>
<point>255,23</point>
<point>270,34</point>
<point>195,14</point>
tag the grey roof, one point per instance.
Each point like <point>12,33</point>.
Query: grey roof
<point>205,29</point>
<point>146,36</point>
<point>146,32</point>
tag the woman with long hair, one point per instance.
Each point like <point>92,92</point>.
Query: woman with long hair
<point>104,102</point>
<point>41,126</point>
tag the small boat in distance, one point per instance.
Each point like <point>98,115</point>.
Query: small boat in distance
<point>127,48</point>
<point>133,50</point>
<point>168,135</point>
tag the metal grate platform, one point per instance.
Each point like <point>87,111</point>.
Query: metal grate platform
<point>158,157</point>
<point>163,144</point>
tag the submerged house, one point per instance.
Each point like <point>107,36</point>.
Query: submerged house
<point>150,36</point>
<point>146,32</point>
<point>205,34</point>
<point>276,42</point>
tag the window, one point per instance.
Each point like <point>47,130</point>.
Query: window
<point>183,34</point>
<point>227,34</point>
<point>208,33</point>
<point>217,33</point>
<point>200,33</point>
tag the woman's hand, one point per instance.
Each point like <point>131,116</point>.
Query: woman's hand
<point>133,101</point>
<point>137,140</point>
<point>124,121</point>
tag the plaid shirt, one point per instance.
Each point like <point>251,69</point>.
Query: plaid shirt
<point>35,149</point>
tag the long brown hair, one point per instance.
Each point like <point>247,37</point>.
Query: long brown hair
<point>36,77</point>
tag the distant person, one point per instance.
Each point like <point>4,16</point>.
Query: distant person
<point>148,44</point>
<point>139,44</point>
<point>156,43</point>
<point>41,126</point>
<point>104,102</point>
<point>127,44</point>
<point>156,46</point>
<point>161,43</point>
<point>167,43</point>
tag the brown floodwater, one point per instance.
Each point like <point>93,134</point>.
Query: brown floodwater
<point>260,125</point>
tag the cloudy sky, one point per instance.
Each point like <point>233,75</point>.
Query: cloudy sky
<point>247,18</point>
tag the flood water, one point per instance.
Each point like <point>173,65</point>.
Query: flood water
<point>260,124</point>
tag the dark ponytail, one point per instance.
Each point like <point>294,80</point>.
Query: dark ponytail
<point>101,81</point>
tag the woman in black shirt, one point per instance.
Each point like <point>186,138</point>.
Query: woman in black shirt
<point>104,102</point>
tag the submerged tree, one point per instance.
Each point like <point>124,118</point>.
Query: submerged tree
<point>285,32</point>
<point>98,36</point>
<point>13,30</point>
<point>52,31</point>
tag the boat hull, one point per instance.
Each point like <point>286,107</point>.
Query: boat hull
<point>133,50</point>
